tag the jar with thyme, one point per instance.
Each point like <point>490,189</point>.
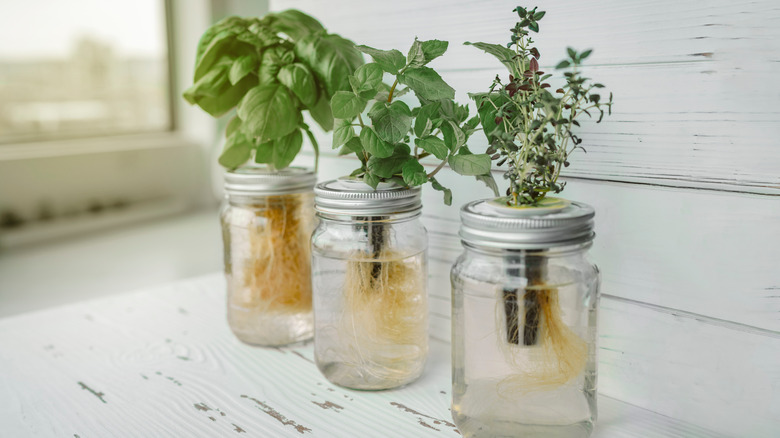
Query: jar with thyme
<point>267,220</point>
<point>524,309</point>
<point>369,275</point>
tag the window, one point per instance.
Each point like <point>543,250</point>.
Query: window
<point>83,68</point>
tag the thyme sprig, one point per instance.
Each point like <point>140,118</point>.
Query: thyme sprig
<point>530,128</point>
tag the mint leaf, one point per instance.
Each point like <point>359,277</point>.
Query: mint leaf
<point>486,108</point>
<point>237,151</point>
<point>426,84</point>
<point>368,77</point>
<point>268,112</point>
<point>454,137</point>
<point>354,145</point>
<point>342,132</point>
<point>415,57</point>
<point>502,53</point>
<point>489,181</point>
<point>427,114</point>
<point>332,58</point>
<point>387,167</point>
<point>347,105</point>
<point>433,49</point>
<point>286,148</point>
<point>390,60</point>
<point>477,164</point>
<point>375,145</point>
<point>371,179</point>
<point>242,66</point>
<point>391,122</point>
<point>413,173</point>
<point>264,153</point>
<point>298,78</point>
<point>447,192</point>
<point>433,145</point>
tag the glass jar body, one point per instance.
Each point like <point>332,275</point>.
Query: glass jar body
<point>524,342</point>
<point>370,300</point>
<point>268,267</point>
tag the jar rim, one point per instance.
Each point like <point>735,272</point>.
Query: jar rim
<point>353,197</point>
<point>251,179</point>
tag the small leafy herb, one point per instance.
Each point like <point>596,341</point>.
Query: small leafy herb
<point>270,69</point>
<point>528,126</point>
<point>385,147</point>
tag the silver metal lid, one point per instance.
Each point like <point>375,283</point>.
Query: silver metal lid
<point>491,224</point>
<point>348,196</point>
<point>254,180</point>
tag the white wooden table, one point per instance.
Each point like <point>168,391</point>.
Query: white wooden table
<point>162,362</point>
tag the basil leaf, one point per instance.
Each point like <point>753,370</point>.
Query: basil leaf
<point>237,150</point>
<point>390,60</point>
<point>477,164</point>
<point>286,148</point>
<point>342,132</point>
<point>233,125</point>
<point>426,114</point>
<point>433,145</point>
<point>295,24</point>
<point>220,45</point>
<point>447,192</point>
<point>375,145</point>
<point>321,113</point>
<point>415,57</point>
<point>413,173</point>
<point>331,57</point>
<point>298,78</point>
<point>225,100</point>
<point>242,66</point>
<point>268,112</point>
<point>426,84</point>
<point>433,49</point>
<point>391,122</point>
<point>264,153</point>
<point>230,24</point>
<point>211,84</point>
<point>502,53</point>
<point>347,105</point>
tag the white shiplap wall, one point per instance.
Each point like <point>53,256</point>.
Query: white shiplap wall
<point>685,178</point>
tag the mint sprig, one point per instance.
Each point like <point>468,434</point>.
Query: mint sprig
<point>390,138</point>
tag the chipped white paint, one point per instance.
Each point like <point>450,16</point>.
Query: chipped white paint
<point>163,362</point>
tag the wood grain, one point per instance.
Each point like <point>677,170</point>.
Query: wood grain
<point>163,363</point>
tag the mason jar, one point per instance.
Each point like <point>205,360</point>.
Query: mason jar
<point>267,220</point>
<point>369,277</point>
<point>524,313</point>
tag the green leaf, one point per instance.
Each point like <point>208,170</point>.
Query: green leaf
<point>264,153</point>
<point>477,164</point>
<point>571,52</point>
<point>503,54</point>
<point>298,78</point>
<point>391,122</point>
<point>371,179</point>
<point>236,152</point>
<point>227,26</point>
<point>413,173</point>
<point>227,98</point>
<point>342,132</point>
<point>447,192</point>
<point>286,148</point>
<point>487,113</point>
<point>563,64</point>
<point>224,43</point>
<point>390,60</point>
<point>332,58</point>
<point>268,112</point>
<point>375,145</point>
<point>534,26</point>
<point>387,167</point>
<point>415,57</point>
<point>295,24</point>
<point>489,181</point>
<point>426,84</point>
<point>321,113</point>
<point>354,145</point>
<point>432,49</point>
<point>454,137</point>
<point>367,79</point>
<point>426,114</point>
<point>233,125</point>
<point>347,105</point>
<point>241,67</point>
<point>538,16</point>
<point>210,84</point>
<point>585,54</point>
<point>433,145</point>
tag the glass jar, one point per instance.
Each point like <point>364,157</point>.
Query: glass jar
<point>524,313</point>
<point>369,275</point>
<point>267,220</point>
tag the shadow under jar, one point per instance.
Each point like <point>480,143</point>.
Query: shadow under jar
<point>267,221</point>
<point>369,274</point>
<point>524,322</point>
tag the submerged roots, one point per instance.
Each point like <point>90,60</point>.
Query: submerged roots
<point>272,271</point>
<point>553,354</point>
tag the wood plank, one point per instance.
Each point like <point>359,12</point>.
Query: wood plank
<point>162,362</point>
